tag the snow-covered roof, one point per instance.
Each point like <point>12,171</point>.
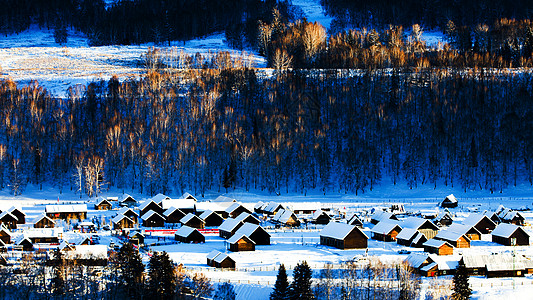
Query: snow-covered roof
<point>450,198</point>
<point>283,216</point>
<point>7,213</point>
<point>272,206</point>
<point>407,234</point>
<point>381,215</point>
<point>445,262</point>
<point>436,243</point>
<point>78,239</point>
<point>495,262</point>
<point>450,235</point>
<point>206,214</point>
<point>40,217</point>
<point>119,218</point>
<point>248,229</point>
<point>185,231</point>
<point>418,237</point>
<point>319,213</point>
<point>259,205</point>
<point>416,223</point>
<point>213,254</point>
<point>178,203</point>
<point>125,197</point>
<point>136,233</point>
<point>149,214</point>
<point>101,200</point>
<point>338,231</point>
<point>187,195</point>
<point>66,208</point>
<point>511,215</point>
<point>505,230</point>
<point>145,204</point>
<point>171,210</point>
<point>159,197</point>
<point>416,259</point>
<point>214,206</point>
<point>13,208</point>
<point>189,217</point>
<point>221,257</point>
<point>473,219</point>
<point>236,237</point>
<point>233,207</point>
<point>20,239</point>
<point>244,216</point>
<point>223,199</point>
<point>229,224</point>
<point>428,267</point>
<point>462,228</point>
<point>124,210</point>
<point>354,217</point>
<point>4,229</point>
<point>386,226</point>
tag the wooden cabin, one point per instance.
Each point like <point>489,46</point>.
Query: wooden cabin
<point>158,199</point>
<point>248,218</point>
<point>193,221</point>
<point>184,205</point>
<point>272,208</point>
<point>286,218</point>
<point>66,212</point>
<point>187,195</point>
<point>470,231</point>
<point>443,219</point>
<point>425,226</point>
<point>223,261</point>
<point>121,221</point>
<point>496,265</point>
<point>450,201</point>
<point>510,235</point>
<point>127,201</point>
<point>188,234</point>
<point>136,238</point>
<point>19,214</point>
<point>430,265</point>
<point>482,223</point>
<point>228,228</point>
<point>130,213</point>
<point>24,243</point>
<point>406,236</point>
<point>343,236</point>
<point>173,215</point>
<point>456,239</point>
<point>150,205</point>
<point>354,220</point>
<point>43,221</point>
<point>211,257</point>
<point>419,240</point>
<point>211,218</point>
<point>438,247</point>
<point>255,232</point>
<point>238,243</point>
<point>513,217</point>
<point>153,219</point>
<point>386,231</point>
<point>320,217</point>
<point>5,235</point>
<point>103,204</point>
<point>8,220</point>
<point>44,235</point>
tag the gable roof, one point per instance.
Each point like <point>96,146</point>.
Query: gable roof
<point>150,214</point>
<point>125,197</point>
<point>246,215</point>
<point>386,227</point>
<point>474,219</point>
<point>119,218</point>
<point>338,230</point>
<point>136,233</point>
<point>159,197</point>
<point>436,243</point>
<point>178,203</point>
<point>319,213</point>
<point>462,228</point>
<point>249,228</point>
<point>189,217</point>
<point>494,262</point>
<point>450,235</point>
<point>284,215</point>
<point>7,214</point>
<point>185,231</point>
<point>206,214</point>
<point>145,204</point>
<point>381,215</point>
<point>234,207</point>
<point>272,206</point>
<point>213,254</point>
<point>171,210</point>
<point>236,237</point>
<point>13,208</point>
<point>221,257</point>
<point>417,259</point>
<point>416,223</point>
<point>40,217</point>
<point>418,237</point>
<point>506,230</point>
<point>223,199</point>
<point>101,200</point>
<point>229,224</point>
<point>187,195</point>
<point>124,210</point>
<point>450,198</point>
<point>407,234</point>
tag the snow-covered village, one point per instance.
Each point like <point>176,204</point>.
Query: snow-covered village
<point>266,149</point>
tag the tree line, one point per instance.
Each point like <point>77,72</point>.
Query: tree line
<point>507,43</point>
<point>295,131</point>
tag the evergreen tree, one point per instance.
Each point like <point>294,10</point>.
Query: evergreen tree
<point>225,291</point>
<point>300,288</point>
<point>461,286</point>
<point>281,287</point>
<point>131,269</point>
<point>162,278</point>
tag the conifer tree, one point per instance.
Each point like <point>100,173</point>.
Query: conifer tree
<point>162,278</point>
<point>58,281</point>
<point>281,287</point>
<point>132,269</point>
<point>461,286</point>
<point>300,288</point>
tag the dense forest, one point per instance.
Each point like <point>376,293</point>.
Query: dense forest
<point>203,129</point>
